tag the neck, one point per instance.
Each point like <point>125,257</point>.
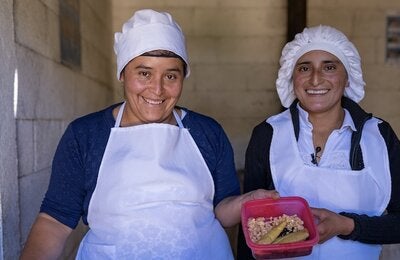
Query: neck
<point>323,125</point>
<point>327,121</point>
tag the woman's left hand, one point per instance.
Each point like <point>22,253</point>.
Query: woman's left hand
<point>331,224</point>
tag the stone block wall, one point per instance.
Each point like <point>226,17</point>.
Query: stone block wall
<point>48,94</point>
<point>9,244</point>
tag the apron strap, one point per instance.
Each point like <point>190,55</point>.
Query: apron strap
<point>178,119</point>
<point>119,116</point>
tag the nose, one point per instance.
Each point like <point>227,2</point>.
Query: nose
<point>316,78</point>
<point>157,85</point>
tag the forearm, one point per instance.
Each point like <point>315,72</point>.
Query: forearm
<point>46,239</point>
<point>375,230</point>
<point>228,211</point>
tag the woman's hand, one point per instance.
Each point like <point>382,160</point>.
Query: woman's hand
<point>260,194</point>
<point>228,210</point>
<point>331,224</point>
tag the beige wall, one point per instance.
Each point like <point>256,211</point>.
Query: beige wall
<point>47,96</point>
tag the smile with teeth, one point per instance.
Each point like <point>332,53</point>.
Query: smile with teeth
<point>152,101</point>
<point>316,91</point>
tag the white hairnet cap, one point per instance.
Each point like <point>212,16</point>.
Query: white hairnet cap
<point>148,30</point>
<point>327,39</point>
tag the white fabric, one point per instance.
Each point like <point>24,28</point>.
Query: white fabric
<point>148,30</point>
<point>362,192</point>
<point>327,39</point>
<point>336,153</point>
<point>153,199</point>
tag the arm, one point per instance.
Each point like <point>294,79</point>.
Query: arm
<point>46,239</point>
<point>61,208</point>
<point>228,210</point>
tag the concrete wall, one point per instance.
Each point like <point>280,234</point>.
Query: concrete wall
<point>9,244</point>
<point>48,95</point>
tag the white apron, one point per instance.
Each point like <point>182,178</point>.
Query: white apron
<point>363,192</point>
<point>153,198</point>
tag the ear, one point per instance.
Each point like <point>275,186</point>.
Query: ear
<point>347,84</point>
<point>122,76</point>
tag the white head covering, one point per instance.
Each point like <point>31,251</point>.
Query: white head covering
<point>327,39</point>
<point>148,30</point>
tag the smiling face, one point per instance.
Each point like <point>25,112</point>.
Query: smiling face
<point>319,80</point>
<point>152,87</point>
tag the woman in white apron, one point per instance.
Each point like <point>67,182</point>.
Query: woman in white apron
<point>151,180</point>
<point>328,150</point>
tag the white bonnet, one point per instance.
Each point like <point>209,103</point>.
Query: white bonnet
<point>148,30</point>
<point>327,39</point>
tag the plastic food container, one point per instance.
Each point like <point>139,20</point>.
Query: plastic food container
<point>275,208</point>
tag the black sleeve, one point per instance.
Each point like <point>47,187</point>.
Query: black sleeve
<point>257,174</point>
<point>382,229</point>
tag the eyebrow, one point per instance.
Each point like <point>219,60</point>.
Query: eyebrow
<point>324,61</point>
<point>141,66</point>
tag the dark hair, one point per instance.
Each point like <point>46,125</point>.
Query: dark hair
<point>166,54</point>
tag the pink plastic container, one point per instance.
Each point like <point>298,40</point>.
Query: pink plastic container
<point>275,208</point>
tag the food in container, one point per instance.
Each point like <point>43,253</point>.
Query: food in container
<point>272,212</point>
